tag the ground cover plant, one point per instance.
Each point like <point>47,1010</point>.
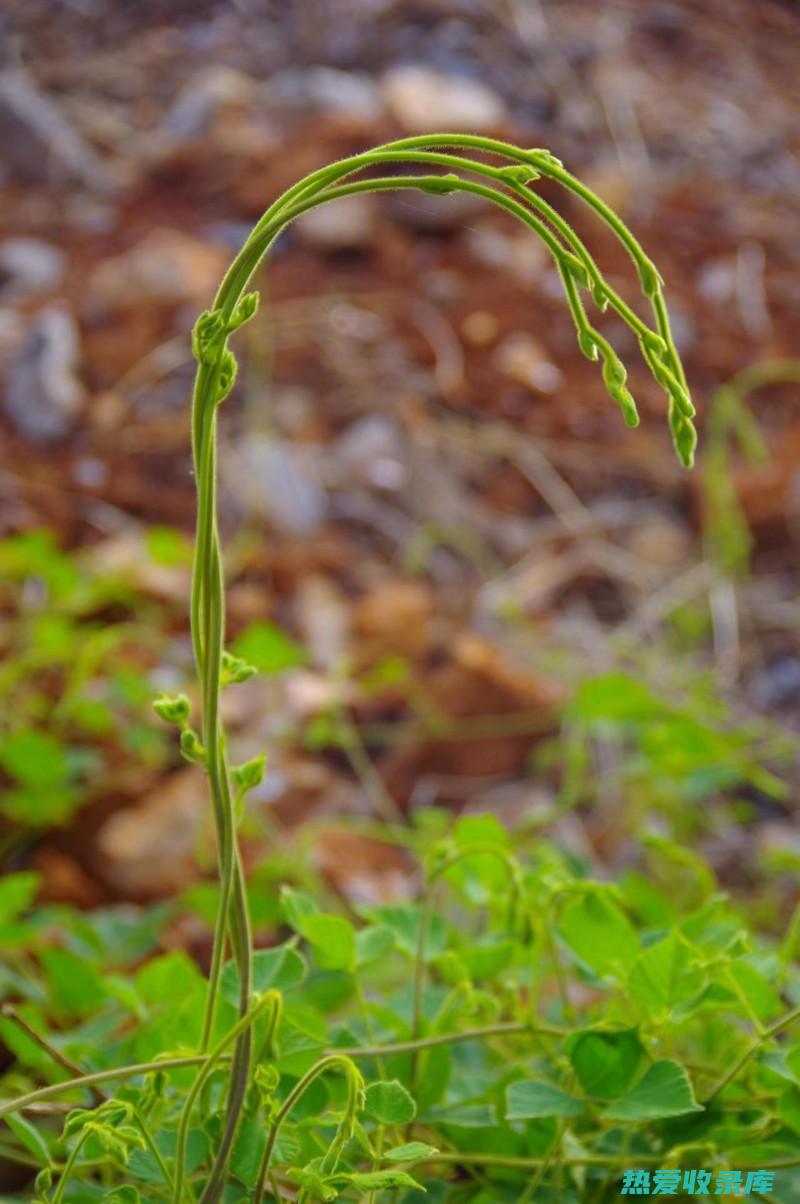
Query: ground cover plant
<point>523,1032</point>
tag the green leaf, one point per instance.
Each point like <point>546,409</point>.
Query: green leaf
<point>531,1099</point>
<point>35,759</point>
<point>404,923</point>
<point>168,547</point>
<point>617,697</point>
<point>251,1140</point>
<point>663,1090</point>
<point>296,905</point>
<point>665,974</point>
<point>373,943</point>
<point>390,1103</point>
<point>756,989</point>
<point>789,1109</point>
<point>605,1060</point>
<point>465,1116</point>
<point>412,1151</point>
<point>17,892</point>
<point>30,1137</point>
<point>125,1194</point>
<point>599,933</point>
<point>333,940</point>
<point>268,648</point>
<point>276,969</point>
<point>169,978</point>
<point>485,958</point>
<point>383,1181</point>
<point>75,987</point>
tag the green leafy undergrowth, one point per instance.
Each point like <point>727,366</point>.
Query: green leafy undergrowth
<point>75,689</point>
<point>523,1031</point>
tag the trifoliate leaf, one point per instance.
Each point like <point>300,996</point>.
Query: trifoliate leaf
<point>28,1136</point>
<point>663,1090</point>
<point>333,939</point>
<point>383,1181</point>
<point>605,1061</point>
<point>665,974</point>
<point>250,774</point>
<point>390,1103</point>
<point>531,1099</point>
<point>599,933</point>
<point>412,1151</point>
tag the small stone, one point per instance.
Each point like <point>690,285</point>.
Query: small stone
<point>525,361</point>
<point>423,100</point>
<point>43,393</point>
<point>343,225</point>
<point>480,328</point>
<point>347,94</point>
<point>395,618</point>
<point>371,452</point>
<point>278,482</point>
<point>29,266</point>
<point>199,102</point>
<point>39,143</point>
<point>165,265</point>
<point>148,850</point>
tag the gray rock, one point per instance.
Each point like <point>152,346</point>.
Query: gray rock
<point>40,145</point>
<point>346,94</point>
<point>199,102</point>
<point>43,393</point>
<point>423,100</point>
<point>29,266</point>
<point>372,452</point>
<point>278,482</point>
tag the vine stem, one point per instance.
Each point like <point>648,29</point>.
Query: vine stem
<point>467,1034</point>
<point>773,1030</point>
<point>68,1168</point>
<point>98,1076</point>
<point>244,1023</point>
<point>213,381</point>
<point>364,1051</point>
<point>519,1163</point>
<point>329,1062</point>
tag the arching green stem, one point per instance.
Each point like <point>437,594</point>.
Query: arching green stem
<point>216,372</point>
<point>355,1086</point>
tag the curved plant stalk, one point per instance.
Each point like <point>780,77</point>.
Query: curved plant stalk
<point>272,999</point>
<point>355,1102</point>
<point>508,187</point>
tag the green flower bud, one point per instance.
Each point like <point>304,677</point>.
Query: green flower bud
<point>43,1183</point>
<point>244,311</point>
<point>227,375</point>
<point>545,157</point>
<point>649,277</point>
<point>587,341</point>
<point>208,333</point>
<point>600,295</point>
<point>191,748</point>
<point>235,670</point>
<point>250,774</point>
<point>440,184</point>
<point>519,173</point>
<point>577,270</point>
<point>172,709</point>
